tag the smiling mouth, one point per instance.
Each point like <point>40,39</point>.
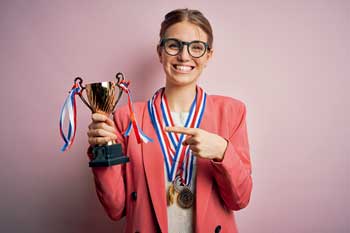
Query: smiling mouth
<point>183,68</point>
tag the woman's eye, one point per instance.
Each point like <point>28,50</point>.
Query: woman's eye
<point>173,46</point>
<point>197,47</point>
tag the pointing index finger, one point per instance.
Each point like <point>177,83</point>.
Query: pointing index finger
<point>183,130</point>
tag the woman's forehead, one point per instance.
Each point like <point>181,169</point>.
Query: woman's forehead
<point>186,31</point>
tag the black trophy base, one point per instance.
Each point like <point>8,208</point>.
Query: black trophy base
<point>108,155</point>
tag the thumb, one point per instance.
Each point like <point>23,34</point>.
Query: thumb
<point>187,141</point>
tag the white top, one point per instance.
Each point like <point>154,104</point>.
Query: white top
<point>179,219</point>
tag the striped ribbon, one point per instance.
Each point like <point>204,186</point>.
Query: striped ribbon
<point>141,137</point>
<point>178,158</point>
<point>69,107</point>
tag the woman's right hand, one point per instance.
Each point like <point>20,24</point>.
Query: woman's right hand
<point>101,130</point>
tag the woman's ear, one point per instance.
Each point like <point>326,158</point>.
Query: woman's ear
<point>159,52</point>
<point>209,56</point>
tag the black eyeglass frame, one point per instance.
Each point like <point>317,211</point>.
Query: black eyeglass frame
<point>182,44</point>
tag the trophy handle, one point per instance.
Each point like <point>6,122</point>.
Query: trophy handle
<point>80,83</point>
<point>120,77</point>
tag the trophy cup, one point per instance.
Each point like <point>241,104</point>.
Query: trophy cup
<point>101,98</point>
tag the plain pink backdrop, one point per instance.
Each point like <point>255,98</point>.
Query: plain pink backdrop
<point>288,61</point>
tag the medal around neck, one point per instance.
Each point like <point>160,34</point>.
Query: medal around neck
<point>185,198</point>
<point>102,98</point>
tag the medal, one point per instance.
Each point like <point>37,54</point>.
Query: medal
<point>185,198</point>
<point>171,195</point>
<point>184,193</point>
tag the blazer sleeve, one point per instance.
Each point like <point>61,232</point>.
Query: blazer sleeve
<point>110,181</point>
<point>233,173</point>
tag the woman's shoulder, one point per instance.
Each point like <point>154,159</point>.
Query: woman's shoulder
<point>230,110</point>
<point>137,107</point>
<point>123,112</point>
<point>225,101</point>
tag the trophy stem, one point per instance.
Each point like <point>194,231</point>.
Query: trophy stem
<point>111,143</point>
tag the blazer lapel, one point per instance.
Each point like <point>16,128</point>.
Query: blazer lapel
<point>204,178</point>
<point>154,169</point>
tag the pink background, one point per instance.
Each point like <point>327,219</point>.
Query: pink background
<point>288,61</point>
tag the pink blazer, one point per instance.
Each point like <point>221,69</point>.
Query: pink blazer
<point>137,189</point>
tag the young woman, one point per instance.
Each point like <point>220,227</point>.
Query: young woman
<point>197,170</point>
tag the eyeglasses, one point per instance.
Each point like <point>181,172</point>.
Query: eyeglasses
<point>174,46</point>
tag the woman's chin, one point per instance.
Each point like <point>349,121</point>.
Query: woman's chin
<point>182,80</point>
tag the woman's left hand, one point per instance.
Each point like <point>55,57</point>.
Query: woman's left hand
<point>202,143</point>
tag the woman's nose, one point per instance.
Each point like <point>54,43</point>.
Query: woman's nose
<point>183,54</point>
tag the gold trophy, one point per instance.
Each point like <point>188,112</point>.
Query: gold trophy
<point>102,98</point>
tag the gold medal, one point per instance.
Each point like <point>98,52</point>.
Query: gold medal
<point>171,195</point>
<point>185,198</point>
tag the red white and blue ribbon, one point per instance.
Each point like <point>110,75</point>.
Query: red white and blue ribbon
<point>178,158</point>
<point>141,137</point>
<point>69,107</point>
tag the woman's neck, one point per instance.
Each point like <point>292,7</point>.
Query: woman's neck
<point>180,98</point>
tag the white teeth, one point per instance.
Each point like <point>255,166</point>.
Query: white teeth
<point>183,68</point>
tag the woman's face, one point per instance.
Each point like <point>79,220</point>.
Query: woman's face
<point>183,69</point>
